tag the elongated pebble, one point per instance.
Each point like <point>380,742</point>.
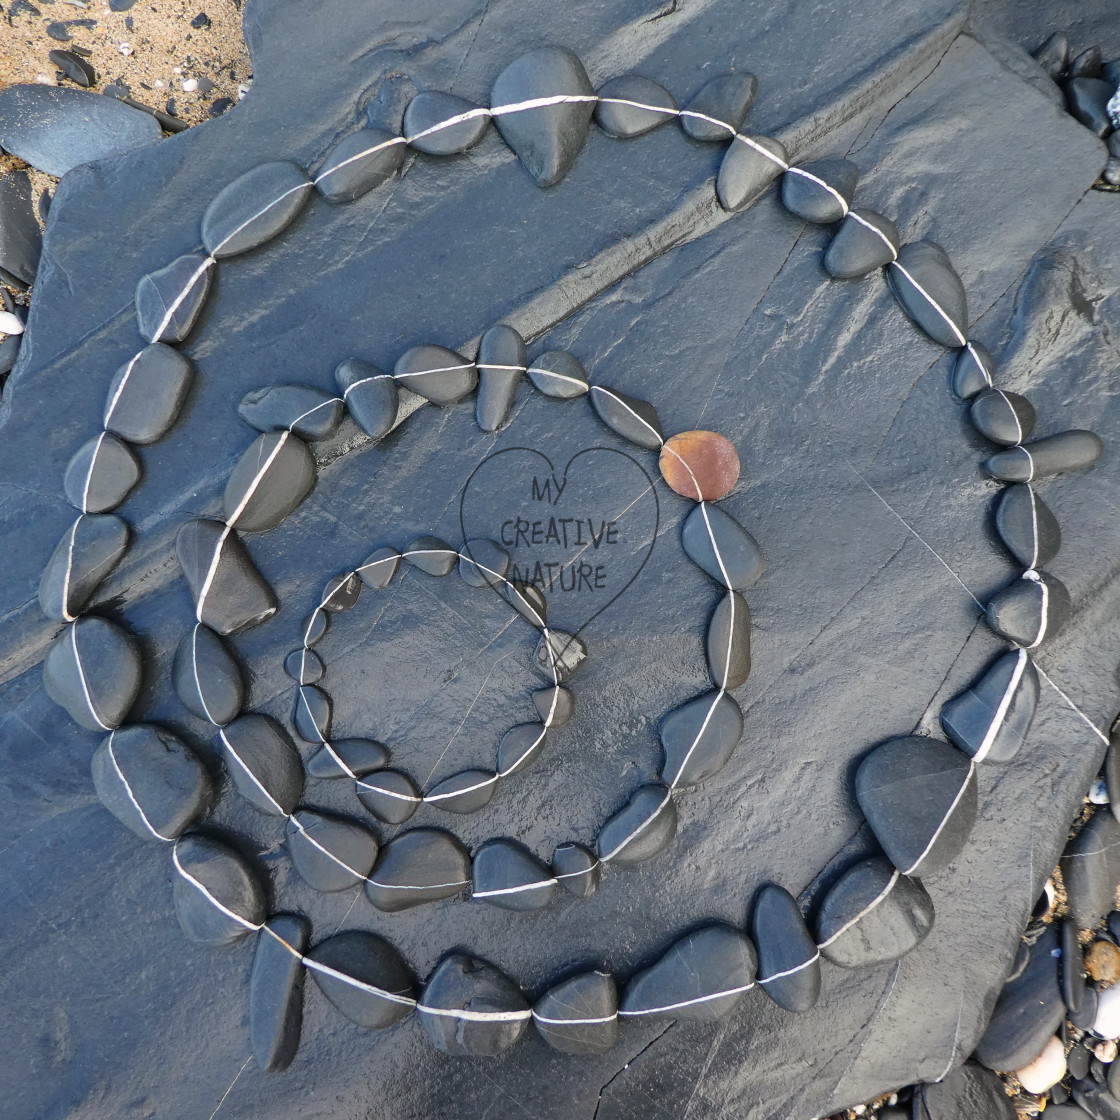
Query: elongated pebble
<point>1067,451</point>
<point>254,208</point>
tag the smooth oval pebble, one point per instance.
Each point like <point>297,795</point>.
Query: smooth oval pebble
<point>432,556</point>
<point>146,394</point>
<point>378,569</point>
<point>302,409</point>
<point>359,163</point>
<point>276,991</point>
<point>465,792</point>
<point>698,738</point>
<point>749,166</point>
<point>728,642</point>
<point>1091,869</point>
<point>330,852</point>
<point>700,465</point>
<point>500,363</point>
<point>436,373</point>
<point>554,705</point>
<point>1030,610</point>
<point>271,479</point>
<point>470,1009</point>
<point>1002,416</point>
<point>1027,527</point>
<point>1067,451</point>
<point>311,715</point>
<point>483,563</point>
<point>207,678</point>
<point>170,300</point>
<point>621,120</point>
<point>304,666</point>
<point>863,242</point>
<point>83,558</point>
<point>633,419</point>
<point>820,191</point>
<point>972,370</point>
<point>93,670</point>
<point>389,795</point>
<point>715,542</point>
<point>254,208</point>
<point>418,866</point>
<point>725,100</point>
<point>264,766</point>
<point>364,977</point>
<point>577,869</point>
<point>991,719</point>
<point>507,875</point>
<point>218,898</point>
<point>100,474</point>
<point>371,396</point>
<point>643,828</point>
<point>520,747</point>
<point>556,373</point>
<point>430,109</point>
<point>929,290</point>
<point>347,758</point>
<point>579,1015</point>
<point>789,969</point>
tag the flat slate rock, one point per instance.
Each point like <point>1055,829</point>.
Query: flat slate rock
<point>170,300</point>
<point>579,1015</point>
<point>1031,610</point>
<point>929,290</point>
<point>520,747</point>
<point>483,563</point>
<point>93,671</point>
<point>715,542</point>
<point>303,409</point>
<point>55,129</point>
<point>263,764</point>
<point>271,479</point>
<point>311,715</point>
<point>500,362</point>
<point>470,1009</point>
<point>389,795</point>
<point>358,164</point>
<point>703,976</point>
<point>100,474</point>
<point>972,370</point>
<point>726,100</point>
<point>750,165</point>
<point>547,140</point>
<point>379,567</point>
<point>21,241</point>
<point>642,829</point>
<point>556,373</point>
<point>207,678</point>
<point>218,898</point>
<point>439,375</point>
<point>507,875</point>
<point>969,1091</point>
<point>1074,450</point>
<point>465,792</point>
<point>1027,526</point>
<point>789,969</point>
<point>276,991</point>
<point>728,642</point>
<point>146,394</point>
<point>254,208</point>
<point>84,557</point>
<point>347,758</point>
<point>364,977</point>
<point>331,853</point>
<point>151,781</point>
<point>698,738</point>
<point>991,720</point>
<point>431,108</point>
<point>371,396</point>
<point>633,419</point>
<point>1091,869</point>
<point>623,121</point>
<point>863,242</point>
<point>821,191</point>
<point>577,869</point>
<point>1002,416</point>
<point>418,866</point>
<point>555,705</point>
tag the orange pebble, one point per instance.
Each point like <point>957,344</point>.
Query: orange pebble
<point>703,466</point>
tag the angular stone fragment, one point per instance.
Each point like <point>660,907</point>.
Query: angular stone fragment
<point>150,781</point>
<point>341,592</point>
<point>972,370</point>
<point>1027,526</point>
<point>378,569</point>
<point>871,915</point>
<point>276,991</point>
<point>546,139</point>
<point>728,643</point>
<point>519,747</point>
<point>556,373</point>
<point>358,163</point>
<point>576,869</point>
<point>418,866</point>
<point>863,242</point>
<point>698,738</point>
<point>146,394</point>
<point>465,792</point>
<point>991,720</point>
<point>1067,451</point>
<point>254,208</point>
<point>1053,55</point>
<point>307,411</point>
<point>432,555</point>
<point>74,67</point>
<point>271,479</point>
<point>631,105</point>
<point>331,853</point>
<point>642,829</point>
<point>426,128</point>
<point>347,758</point>
<point>371,397</point>
<point>84,557</point>
<point>500,362</point>
<point>506,874</point>
<point>1030,610</point>
<point>703,976</point>
<point>483,563</point>
<point>20,239</point>
<point>789,969</point>
<point>229,593</point>
<point>470,1009</point>
<point>263,764</point>
<point>207,678</point>
<point>529,602</point>
<point>93,671</point>
<point>1087,100</point>
<point>717,112</point>
<point>169,300</point>
<point>558,655</point>
<point>436,373</point>
<point>218,898</point>
<point>580,1014</point>
<point>821,191</point>
<point>700,465</point>
<point>312,714</point>
<point>634,420</point>
<point>100,474</point>
<point>1091,869</point>
<point>750,165</point>
<point>554,705</point>
<point>929,290</point>
<point>389,795</point>
<point>919,797</point>
<point>715,542</point>
<point>364,977</point>
<point>1003,417</point>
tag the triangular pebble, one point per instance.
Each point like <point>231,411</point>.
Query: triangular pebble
<point>416,867</point>
<point>272,477</point>
<point>470,1009</point>
<point>331,853</point>
<point>347,758</point>
<point>863,242</point>
<point>83,558</point>
<point>718,110</point>
<point>170,300</point>
<point>507,875</point>
<point>991,719</point>
<point>378,569</point>
<point>750,165</point>
<point>371,397</point>
<point>820,191</point>
<point>642,829</point>
<point>972,370</point>
<point>364,977</point>
<point>207,678</point>
<point>263,764</point>
<point>579,1015</point>
<point>389,795</point>
<point>93,670</point>
<point>427,128</point>
<point>218,897</point>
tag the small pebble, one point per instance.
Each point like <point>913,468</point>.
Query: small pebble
<point>125,48</point>
<point>1105,1051</point>
<point>10,323</point>
<point>1098,792</point>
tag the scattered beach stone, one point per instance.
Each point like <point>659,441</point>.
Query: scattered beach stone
<point>207,678</point>
<point>1003,417</point>
<point>263,764</point>
<point>74,67</point>
<point>990,721</point>
<point>276,991</point>
<point>150,781</point>
<point>371,396</point>
<point>715,542</point>
<point>698,738</point>
<point>83,558</point>
<point>703,466</point>
<point>529,602</point>
<point>1053,55</point>
<point>146,394</point>
<point>465,792</point>
<point>21,242</point>
<point>359,163</point>
<point>1091,870</point>
<point>100,474</point>
<point>379,567</point>
<point>556,373</point>
<point>631,418</point>
<point>547,140</point>
<point>432,555</point>
<point>218,899</point>
<point>789,969</point>
<point>389,795</point>
<point>1067,451</point>
<point>272,477</point>
<point>93,670</point>
<point>1027,526</point>
<point>863,242</point>
<point>642,829</point>
<point>972,370</point>
<point>170,300</point>
<point>703,976</point>
<point>1106,1023</point>
<point>1087,100</point>
<point>749,166</point>
<point>418,866</point>
<point>500,363</point>
<point>929,290</point>
<point>555,705</point>
<point>331,853</point>
<point>812,202</point>
<point>254,208</point>
<point>347,758</point>
<point>576,869</point>
<point>728,644</point>
<point>312,714</point>
<point>580,1014</point>
<point>506,874</point>
<point>364,977</point>
<point>483,563</point>
<point>520,747</point>
<point>726,99</point>
<point>431,108</point>
<point>436,373</point>
<point>307,411</point>
<point>873,914</point>
<point>623,121</point>
<point>558,656</point>
<point>1030,610</point>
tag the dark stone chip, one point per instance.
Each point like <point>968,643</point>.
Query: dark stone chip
<point>83,558</point>
<point>863,242</point>
<point>419,866</point>
<point>307,411</point>
<point>1067,451</point>
<point>436,373</point>
<point>499,1012</point>
<point>717,543</point>
<point>929,290</point>
<point>698,738</point>
<point>871,915</point>
<point>21,241</point>
<point>341,592</point>
<point>218,898</point>
<point>704,976</point>
<point>465,792</point>
<point>1027,526</point>
<point>1091,869</point>
<point>1053,55</point>
<point>991,720</point>
<point>1003,417</point>
<point>371,396</point>
<point>500,363</point>
<point>642,829</point>
<point>364,977</point>
<point>507,875</point>
<point>74,67</point>
<point>389,795</point>
<point>555,705</point>
<point>789,969</point>
<point>431,108</point>
<point>483,563</point>
<point>558,656</point>
<point>972,370</point>
<point>331,853</point>
<point>100,474</point>
<point>520,747</point>
<point>93,670</point>
<point>271,479</point>
<point>577,869</point>
<point>621,120</point>
<point>1110,72</point>
<point>1029,611</point>
<point>546,140</point>
<point>559,374</point>
<point>726,99</point>
<point>967,1091</point>
<point>1087,100</point>
<point>359,163</point>
<point>150,781</point>
<point>747,170</point>
<point>634,420</point>
<point>805,197</point>
<point>146,394</point>
<point>432,555</point>
<point>312,714</point>
<point>1072,972</point>
<point>263,764</point>
<point>169,300</point>
<point>276,991</point>
<point>254,208</point>
<point>379,567</point>
<point>347,758</point>
<point>728,643</point>
<point>315,626</point>
<point>529,602</point>
<point>207,678</point>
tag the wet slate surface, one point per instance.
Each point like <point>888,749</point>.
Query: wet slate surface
<point>827,391</point>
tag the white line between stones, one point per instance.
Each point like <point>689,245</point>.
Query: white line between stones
<point>120,388</point>
<point>881,236</point>
<point>89,471</point>
<point>66,615</point>
<point>1034,527</point>
<point>475,1016</point>
<point>791,971</point>
<point>1000,713</point>
<point>417,887</point>
<point>944,820</point>
<point>551,882</point>
<point>132,796</point>
<point>961,339</point>
<point>821,183</point>
<point>558,376</point>
<point>690,1002</point>
<point>354,982</point>
<point>575,1022</point>
<point>645,423</point>
<point>82,679</point>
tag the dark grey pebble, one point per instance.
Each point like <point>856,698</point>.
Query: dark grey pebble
<point>463,986</point>
<point>1110,72</point>
<point>622,121</point>
<point>1095,1099</point>
<point>237,596</point>
<point>1087,100</point>
<point>728,643</point>
<point>507,875</point>
<point>418,866</point>
<point>432,555</point>
<point>170,300</point>
<point>378,569</point>
<point>547,140</point>
<point>871,915</point>
<point>371,396</point>
<point>1091,869</point>
<point>703,976</point>
<point>500,363</point>
<point>21,241</point>
<point>207,678</point>
<point>929,290</point>
<point>555,705</point>
<point>93,670</point>
<point>9,353</point>
<point>577,869</point>
<point>340,593</point>
<point>1087,64</point>
<point>100,474</point>
<point>359,163</point>
<point>364,977</point>
<point>1073,450</point>
<point>804,196</point>
<point>559,374</point>
<point>271,479</point>
<point>439,375</point>
<point>558,655</point>
<point>74,67</point>
<point>465,792</point>
<point>1002,416</point>
<point>698,738</point>
<point>726,99</point>
<point>746,171</point>
<point>346,758</point>
<point>967,1091</point>
<point>150,781</point>
<point>1027,527</point>
<point>717,543</point>
<point>331,853</point>
<point>863,242</point>
<point>789,969</point>
<point>146,394</point>
<point>529,602</point>
<point>254,208</point>
<point>218,898</point>
<point>483,563</point>
<point>1072,971</point>
<point>972,370</point>
<point>1077,1061</point>
<point>579,1015</point>
<point>640,830</point>
<point>307,411</point>
<point>314,626</point>
<point>520,747</point>
<point>1112,781</point>
<point>83,558</point>
<point>263,764</point>
<point>1029,611</point>
<point>431,108</point>
<point>990,721</point>
<point>1053,55</point>
<point>633,419</point>
<point>389,795</point>
<point>276,991</point>
<point>311,715</point>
